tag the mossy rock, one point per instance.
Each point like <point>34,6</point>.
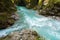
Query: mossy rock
<point>6,20</point>
<point>31,3</point>
<point>7,9</point>
<point>28,3</point>
<point>51,9</point>
<point>7,6</point>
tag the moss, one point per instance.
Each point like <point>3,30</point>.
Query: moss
<point>7,6</point>
<point>51,9</point>
<point>7,9</point>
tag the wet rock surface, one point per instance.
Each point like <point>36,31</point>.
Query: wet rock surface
<point>53,12</point>
<point>23,35</point>
<point>7,19</point>
<point>7,9</point>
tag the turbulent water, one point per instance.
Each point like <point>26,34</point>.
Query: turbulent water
<point>47,27</point>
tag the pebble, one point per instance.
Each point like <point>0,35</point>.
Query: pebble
<point>23,35</point>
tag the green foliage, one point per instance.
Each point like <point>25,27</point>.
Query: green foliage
<point>56,1</point>
<point>51,9</point>
<point>7,6</point>
<point>30,3</point>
